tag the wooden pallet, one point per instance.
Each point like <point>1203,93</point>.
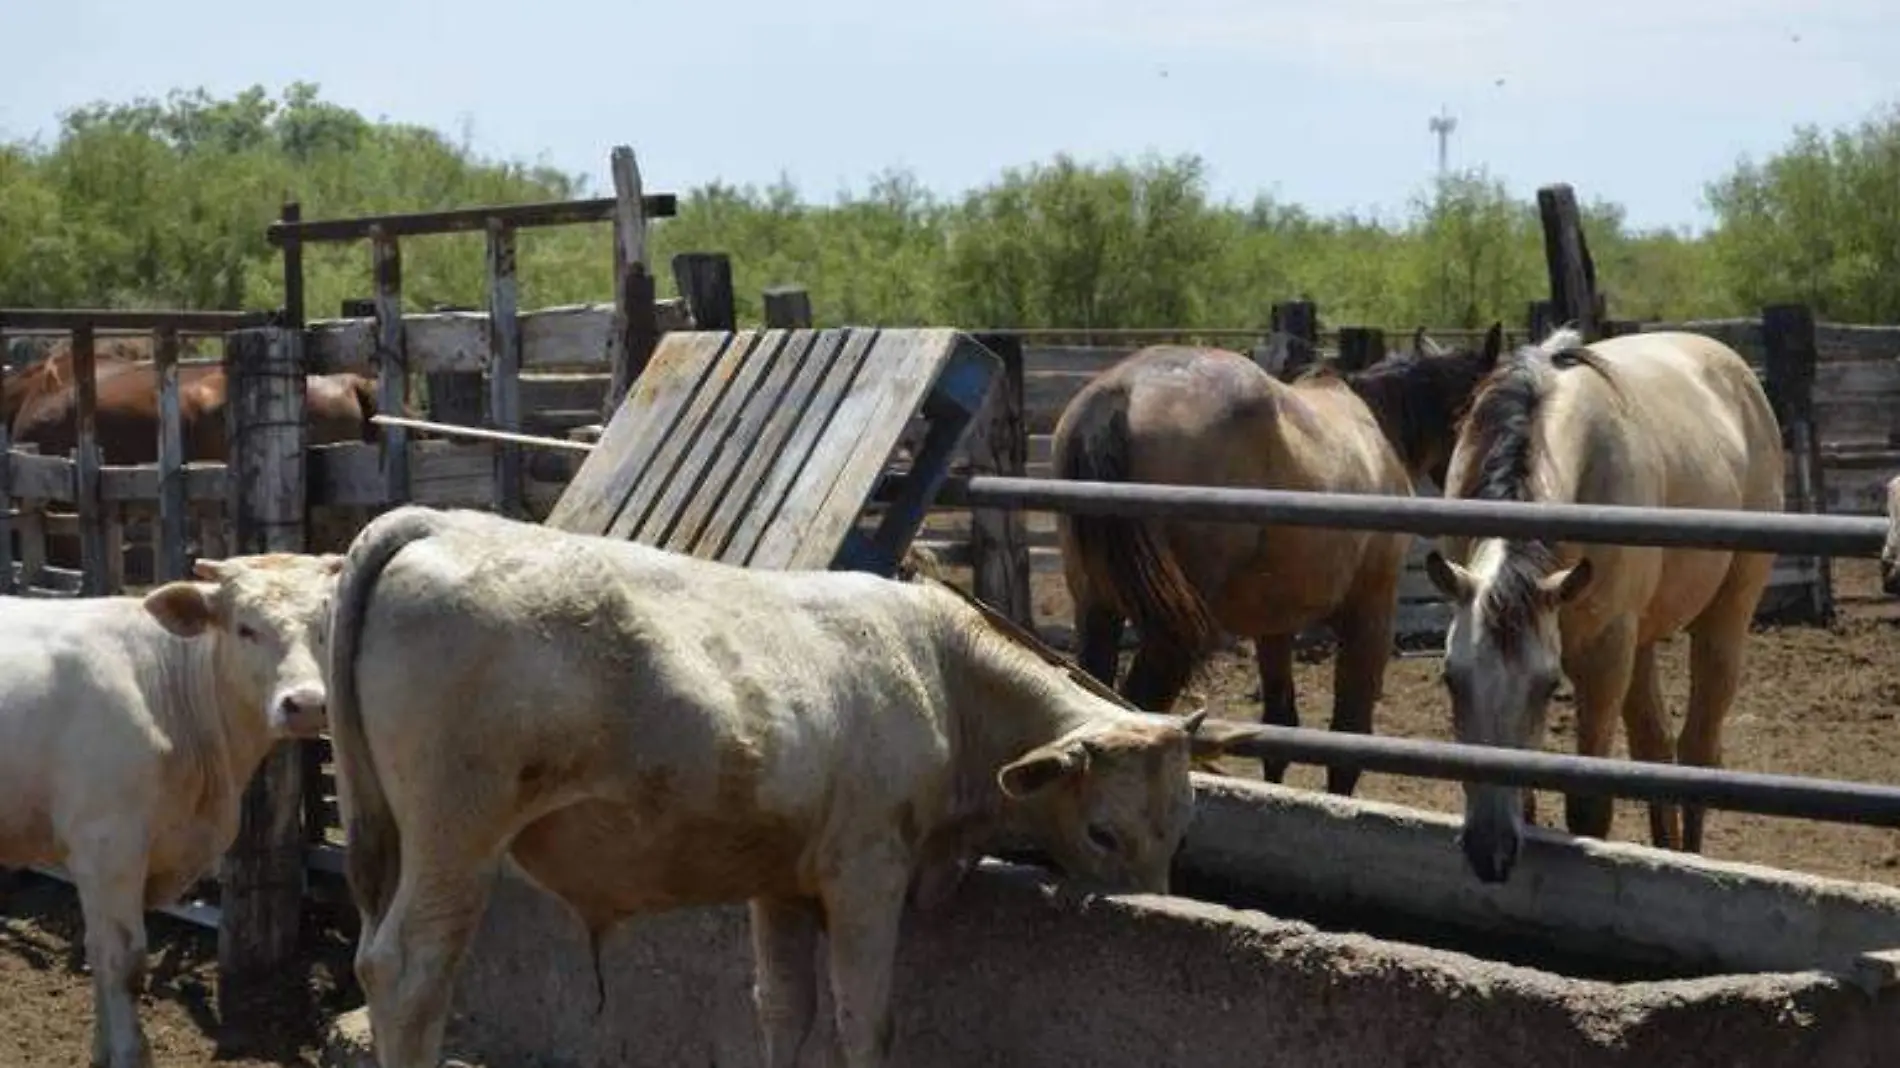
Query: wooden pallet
<point>762,447</point>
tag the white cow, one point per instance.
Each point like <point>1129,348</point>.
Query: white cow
<point>129,728</point>
<point>642,731</point>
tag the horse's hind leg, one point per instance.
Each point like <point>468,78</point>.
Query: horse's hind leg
<point>1643,719</point>
<point>1717,642</point>
<point>1274,655</point>
<point>1098,640</point>
<point>1365,648</point>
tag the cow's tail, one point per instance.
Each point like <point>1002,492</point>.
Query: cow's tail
<point>375,850</point>
<point>1125,565</point>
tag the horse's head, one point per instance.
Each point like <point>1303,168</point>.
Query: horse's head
<point>1419,396</point>
<point>1503,660</point>
<point>1890,553</point>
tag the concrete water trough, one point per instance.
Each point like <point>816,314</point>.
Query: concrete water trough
<point>1313,931</point>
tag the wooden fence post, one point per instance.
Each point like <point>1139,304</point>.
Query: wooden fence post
<point>1789,344</point>
<point>999,445</point>
<point>636,321</point>
<point>1360,347</point>
<point>1538,321</point>
<point>1298,322</point>
<point>93,580</point>
<point>262,875</point>
<point>787,308</point>
<point>1573,274</point>
<point>392,366</point>
<point>168,563</point>
<point>705,280</point>
<point>7,503</point>
<point>504,365</point>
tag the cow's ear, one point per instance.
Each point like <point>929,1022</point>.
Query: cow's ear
<point>1041,768</point>
<point>184,608</point>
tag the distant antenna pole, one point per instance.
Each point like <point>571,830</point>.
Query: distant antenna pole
<point>1442,125</point>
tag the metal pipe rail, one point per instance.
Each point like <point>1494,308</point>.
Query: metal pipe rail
<point>1827,800</point>
<point>1685,528</point>
<point>1690,528</point>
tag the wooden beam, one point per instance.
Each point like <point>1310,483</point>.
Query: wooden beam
<point>460,220</point>
<point>262,874</point>
<point>105,320</point>
<point>291,214</point>
<point>636,326</point>
<point>704,280</point>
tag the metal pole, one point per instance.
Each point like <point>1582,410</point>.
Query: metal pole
<point>1688,528</point>
<point>1772,795</point>
<point>1696,528</point>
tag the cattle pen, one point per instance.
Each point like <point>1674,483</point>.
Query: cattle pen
<point>477,367</point>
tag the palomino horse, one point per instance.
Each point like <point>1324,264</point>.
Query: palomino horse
<point>1662,420</point>
<point>1202,416</point>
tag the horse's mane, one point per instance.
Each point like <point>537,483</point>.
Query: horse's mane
<point>1501,427</point>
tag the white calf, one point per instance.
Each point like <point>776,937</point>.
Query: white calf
<point>124,749</point>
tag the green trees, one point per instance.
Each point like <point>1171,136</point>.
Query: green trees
<point>1819,222</point>
<point>164,203</point>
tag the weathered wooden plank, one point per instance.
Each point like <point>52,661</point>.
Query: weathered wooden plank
<point>701,444</point>
<point>661,471</point>
<point>262,875</point>
<point>1046,393</point>
<point>568,392</point>
<point>812,409</point>
<point>799,385</point>
<point>865,432</point>
<point>599,488</point>
<point>560,337</point>
<point>504,364</point>
<point>742,440</point>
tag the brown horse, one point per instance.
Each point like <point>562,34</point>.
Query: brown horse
<point>41,401</point>
<point>1662,420</point>
<point>1199,416</point>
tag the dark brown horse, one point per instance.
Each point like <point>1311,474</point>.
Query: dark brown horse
<point>1200,416</point>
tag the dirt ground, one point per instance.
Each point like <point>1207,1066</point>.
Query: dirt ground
<point>1814,702</point>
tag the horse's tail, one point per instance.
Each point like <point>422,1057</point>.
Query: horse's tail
<point>375,848</point>
<point>1120,556</point>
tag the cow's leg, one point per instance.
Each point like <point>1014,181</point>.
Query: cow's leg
<point>785,986</point>
<point>407,968</point>
<point>863,904</point>
<point>108,870</point>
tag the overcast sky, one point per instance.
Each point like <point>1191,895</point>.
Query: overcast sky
<point>1321,102</point>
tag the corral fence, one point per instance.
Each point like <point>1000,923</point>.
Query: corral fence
<point>475,369</point>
